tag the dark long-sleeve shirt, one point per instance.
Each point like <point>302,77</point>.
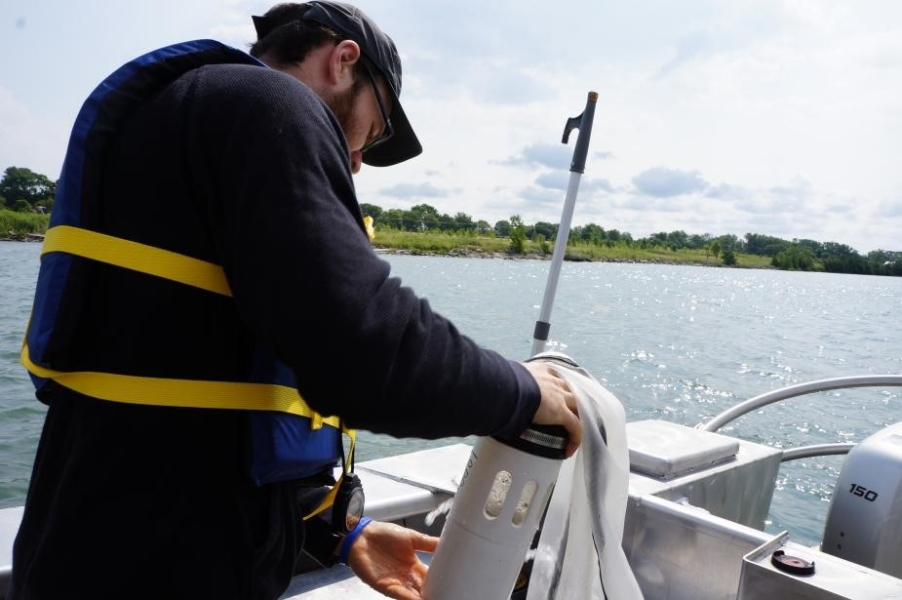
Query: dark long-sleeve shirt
<point>245,167</point>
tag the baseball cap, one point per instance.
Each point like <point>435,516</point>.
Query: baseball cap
<point>380,51</point>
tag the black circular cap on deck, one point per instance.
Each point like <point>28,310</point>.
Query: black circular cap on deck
<point>792,564</point>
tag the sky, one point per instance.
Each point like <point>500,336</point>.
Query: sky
<point>775,117</point>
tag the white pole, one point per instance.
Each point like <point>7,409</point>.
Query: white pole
<point>577,166</point>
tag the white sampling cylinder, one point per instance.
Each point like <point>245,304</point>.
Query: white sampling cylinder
<point>495,515</point>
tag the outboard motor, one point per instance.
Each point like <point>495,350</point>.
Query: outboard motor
<point>864,523</point>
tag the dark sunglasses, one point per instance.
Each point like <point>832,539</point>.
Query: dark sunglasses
<point>389,131</point>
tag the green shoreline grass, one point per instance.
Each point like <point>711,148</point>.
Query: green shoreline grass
<point>437,244</point>
<point>28,226</point>
<point>21,225</point>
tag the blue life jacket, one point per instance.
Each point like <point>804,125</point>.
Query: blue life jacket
<point>289,439</point>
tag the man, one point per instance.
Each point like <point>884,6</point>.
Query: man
<point>206,272</point>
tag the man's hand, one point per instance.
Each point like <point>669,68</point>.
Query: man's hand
<point>384,557</point>
<point>559,406</point>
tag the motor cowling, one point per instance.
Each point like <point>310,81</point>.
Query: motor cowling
<point>864,523</point>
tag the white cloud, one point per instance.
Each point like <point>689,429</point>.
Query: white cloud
<point>778,117</point>
<point>419,190</point>
<point>542,155</point>
<point>557,180</point>
<point>29,141</point>
<point>664,183</point>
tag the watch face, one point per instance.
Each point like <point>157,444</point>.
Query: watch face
<point>355,509</point>
<point>348,506</point>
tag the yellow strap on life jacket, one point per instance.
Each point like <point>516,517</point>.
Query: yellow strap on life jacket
<point>137,257</point>
<point>186,393</point>
<point>329,499</point>
<point>159,391</point>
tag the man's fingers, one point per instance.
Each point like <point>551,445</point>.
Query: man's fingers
<point>575,431</point>
<point>425,543</point>
<point>559,405</point>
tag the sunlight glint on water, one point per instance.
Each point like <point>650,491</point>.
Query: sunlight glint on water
<point>677,343</point>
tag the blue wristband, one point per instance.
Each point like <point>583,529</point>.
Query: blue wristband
<point>350,538</point>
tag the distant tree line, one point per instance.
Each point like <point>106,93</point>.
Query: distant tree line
<point>22,190</point>
<point>794,255</point>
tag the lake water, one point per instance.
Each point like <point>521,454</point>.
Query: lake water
<point>674,342</point>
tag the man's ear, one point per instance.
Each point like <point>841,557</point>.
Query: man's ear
<point>342,59</point>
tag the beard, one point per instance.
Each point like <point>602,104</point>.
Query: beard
<point>342,106</point>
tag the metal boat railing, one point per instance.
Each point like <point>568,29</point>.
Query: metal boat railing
<point>817,450</point>
<point>801,389</point>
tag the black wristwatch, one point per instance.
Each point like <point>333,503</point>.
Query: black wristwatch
<point>348,506</point>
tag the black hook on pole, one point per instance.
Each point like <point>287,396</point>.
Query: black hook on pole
<point>584,123</point>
